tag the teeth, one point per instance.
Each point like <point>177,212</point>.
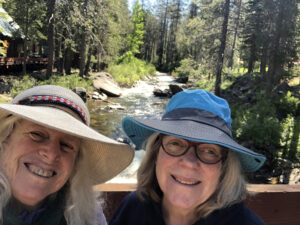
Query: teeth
<point>40,172</point>
<point>186,182</point>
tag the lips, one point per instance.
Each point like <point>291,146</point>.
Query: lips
<point>39,171</point>
<point>185,181</point>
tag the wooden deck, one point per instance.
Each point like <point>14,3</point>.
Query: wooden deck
<point>275,204</point>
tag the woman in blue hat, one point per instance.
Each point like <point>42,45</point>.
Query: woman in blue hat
<point>192,173</point>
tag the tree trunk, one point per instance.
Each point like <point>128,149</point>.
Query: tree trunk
<point>83,42</point>
<point>276,65</point>
<point>98,58</point>
<point>230,64</point>
<point>51,44</point>
<point>171,46</point>
<point>68,59</point>
<point>163,34</point>
<point>88,62</point>
<point>24,63</point>
<point>252,54</point>
<point>222,49</point>
<point>59,56</point>
<point>263,61</point>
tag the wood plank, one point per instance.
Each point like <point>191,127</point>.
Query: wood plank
<point>113,187</point>
<point>256,188</point>
<point>276,208</point>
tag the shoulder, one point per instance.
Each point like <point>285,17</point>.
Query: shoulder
<point>129,211</point>
<point>236,214</point>
<point>131,200</point>
<point>249,217</point>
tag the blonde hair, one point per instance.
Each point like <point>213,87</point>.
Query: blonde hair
<point>81,205</point>
<point>230,190</point>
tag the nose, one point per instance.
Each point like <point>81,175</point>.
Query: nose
<point>51,151</point>
<point>189,158</point>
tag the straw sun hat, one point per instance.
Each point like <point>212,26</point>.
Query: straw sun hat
<point>61,109</point>
<point>196,115</point>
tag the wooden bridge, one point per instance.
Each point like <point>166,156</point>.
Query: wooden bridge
<point>276,204</point>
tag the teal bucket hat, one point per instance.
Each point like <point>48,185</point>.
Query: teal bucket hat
<point>195,115</point>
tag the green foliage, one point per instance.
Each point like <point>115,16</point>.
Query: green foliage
<point>187,67</point>
<point>130,70</point>
<point>135,39</point>
<point>30,15</point>
<point>205,84</point>
<point>67,81</point>
<point>270,127</point>
<point>19,85</point>
<point>259,127</point>
<point>290,138</point>
<point>287,105</point>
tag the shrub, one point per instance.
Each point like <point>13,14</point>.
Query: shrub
<point>19,85</point>
<point>259,128</point>
<point>130,69</point>
<point>67,81</point>
<point>287,105</point>
<point>187,67</point>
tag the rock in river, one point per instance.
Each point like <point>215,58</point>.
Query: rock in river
<point>104,82</point>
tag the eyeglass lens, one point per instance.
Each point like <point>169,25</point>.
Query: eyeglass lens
<point>206,153</point>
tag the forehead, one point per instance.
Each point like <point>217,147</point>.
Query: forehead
<point>25,125</point>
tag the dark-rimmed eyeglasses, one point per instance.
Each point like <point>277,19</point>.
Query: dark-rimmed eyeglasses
<point>206,153</point>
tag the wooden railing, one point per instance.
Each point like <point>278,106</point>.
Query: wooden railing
<point>275,204</point>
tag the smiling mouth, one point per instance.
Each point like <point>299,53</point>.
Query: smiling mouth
<point>39,171</point>
<point>185,182</point>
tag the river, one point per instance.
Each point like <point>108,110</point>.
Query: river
<point>137,102</point>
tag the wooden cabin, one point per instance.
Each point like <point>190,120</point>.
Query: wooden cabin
<point>12,39</point>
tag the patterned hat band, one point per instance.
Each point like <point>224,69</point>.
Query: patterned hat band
<point>199,116</point>
<point>55,100</point>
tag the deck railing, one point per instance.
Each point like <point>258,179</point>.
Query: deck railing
<point>275,204</point>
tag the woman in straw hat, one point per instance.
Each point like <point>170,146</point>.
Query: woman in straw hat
<point>50,158</point>
<point>192,170</point>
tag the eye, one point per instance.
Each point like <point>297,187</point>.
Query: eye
<point>211,152</point>
<point>36,136</point>
<point>176,143</point>
<point>66,147</point>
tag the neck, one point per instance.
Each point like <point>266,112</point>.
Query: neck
<point>19,207</point>
<point>177,216</point>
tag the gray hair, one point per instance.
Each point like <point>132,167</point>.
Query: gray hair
<point>81,205</point>
<point>230,190</point>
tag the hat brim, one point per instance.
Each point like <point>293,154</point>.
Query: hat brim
<point>138,130</point>
<point>106,157</point>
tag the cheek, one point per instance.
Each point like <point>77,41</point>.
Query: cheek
<point>9,163</point>
<point>213,174</point>
<point>162,164</point>
<point>68,164</point>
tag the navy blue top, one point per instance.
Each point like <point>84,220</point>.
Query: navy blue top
<point>133,211</point>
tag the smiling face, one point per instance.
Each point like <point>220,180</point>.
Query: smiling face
<point>185,181</point>
<point>38,161</point>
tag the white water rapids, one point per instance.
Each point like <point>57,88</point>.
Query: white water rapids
<point>137,102</point>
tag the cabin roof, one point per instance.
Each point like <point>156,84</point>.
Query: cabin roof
<point>8,27</point>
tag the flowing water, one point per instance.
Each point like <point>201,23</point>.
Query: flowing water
<point>137,102</point>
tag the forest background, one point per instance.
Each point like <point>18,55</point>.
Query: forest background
<point>212,42</point>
